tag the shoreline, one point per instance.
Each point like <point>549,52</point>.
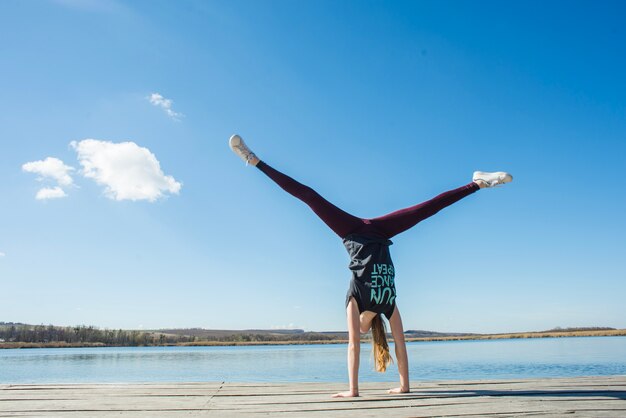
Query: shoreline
<point>478,337</point>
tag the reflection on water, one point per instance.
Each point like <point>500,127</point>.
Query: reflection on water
<point>490,359</point>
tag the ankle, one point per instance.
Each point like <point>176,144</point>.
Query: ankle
<point>480,183</point>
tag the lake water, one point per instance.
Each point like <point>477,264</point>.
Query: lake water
<point>489,359</point>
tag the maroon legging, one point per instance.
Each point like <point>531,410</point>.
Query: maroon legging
<point>344,224</point>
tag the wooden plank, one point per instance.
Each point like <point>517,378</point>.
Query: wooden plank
<point>586,396</point>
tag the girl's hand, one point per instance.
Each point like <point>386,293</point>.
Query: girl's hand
<point>399,390</point>
<point>347,394</point>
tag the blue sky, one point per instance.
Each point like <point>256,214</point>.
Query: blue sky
<point>377,105</point>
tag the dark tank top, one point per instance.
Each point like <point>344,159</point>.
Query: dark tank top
<point>372,284</point>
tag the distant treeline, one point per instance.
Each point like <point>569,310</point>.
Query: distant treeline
<point>86,334</point>
<point>15,335</point>
<point>89,335</point>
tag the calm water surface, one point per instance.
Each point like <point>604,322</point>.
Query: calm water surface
<point>517,358</point>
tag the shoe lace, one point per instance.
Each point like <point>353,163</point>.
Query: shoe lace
<point>245,152</point>
<point>498,181</point>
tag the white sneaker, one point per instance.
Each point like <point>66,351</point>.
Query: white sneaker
<point>497,178</point>
<point>241,149</point>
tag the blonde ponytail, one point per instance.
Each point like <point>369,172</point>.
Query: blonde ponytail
<point>380,348</point>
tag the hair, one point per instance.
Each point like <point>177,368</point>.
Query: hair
<point>380,348</point>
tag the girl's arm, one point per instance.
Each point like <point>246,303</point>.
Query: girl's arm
<point>401,356</point>
<point>354,350</point>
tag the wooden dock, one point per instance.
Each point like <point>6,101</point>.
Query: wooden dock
<point>580,397</point>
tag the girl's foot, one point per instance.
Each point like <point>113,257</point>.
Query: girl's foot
<point>399,390</point>
<point>241,149</point>
<point>497,178</point>
<point>348,394</point>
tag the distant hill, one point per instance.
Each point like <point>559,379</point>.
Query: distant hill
<point>427,334</point>
<point>572,329</point>
<point>212,333</point>
<point>251,335</point>
<point>15,335</point>
<point>221,333</point>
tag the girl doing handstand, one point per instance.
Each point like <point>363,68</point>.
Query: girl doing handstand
<point>372,290</point>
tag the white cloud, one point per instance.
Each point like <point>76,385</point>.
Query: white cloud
<point>126,170</point>
<point>50,168</point>
<point>166,104</point>
<point>50,193</point>
<point>2,254</point>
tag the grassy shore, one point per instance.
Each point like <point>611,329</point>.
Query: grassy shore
<point>542,334</point>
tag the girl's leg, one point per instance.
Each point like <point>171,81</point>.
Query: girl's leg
<point>354,350</point>
<point>397,330</point>
<point>403,219</point>
<point>342,223</point>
